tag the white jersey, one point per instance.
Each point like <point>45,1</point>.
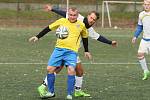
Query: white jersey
<point>92,33</point>
<point>144,19</point>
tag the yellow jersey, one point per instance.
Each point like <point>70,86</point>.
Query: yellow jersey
<point>76,30</point>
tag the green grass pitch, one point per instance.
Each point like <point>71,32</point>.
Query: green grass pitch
<point>113,74</point>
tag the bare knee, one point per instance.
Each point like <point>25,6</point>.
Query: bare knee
<point>71,70</point>
<point>140,56</point>
<point>51,69</point>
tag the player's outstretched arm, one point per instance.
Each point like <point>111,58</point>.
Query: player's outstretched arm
<point>105,40</point>
<point>55,10</point>
<point>94,35</point>
<point>41,34</point>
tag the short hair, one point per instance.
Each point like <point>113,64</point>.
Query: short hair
<point>96,13</point>
<point>73,9</point>
<point>147,1</point>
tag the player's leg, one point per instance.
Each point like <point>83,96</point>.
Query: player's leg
<point>143,64</point>
<point>54,61</point>
<point>70,60</point>
<point>79,79</point>
<point>50,81</point>
<point>70,81</point>
<point>42,89</point>
<point>143,48</point>
<point>79,76</point>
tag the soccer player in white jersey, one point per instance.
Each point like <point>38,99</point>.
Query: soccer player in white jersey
<point>88,21</point>
<point>144,47</point>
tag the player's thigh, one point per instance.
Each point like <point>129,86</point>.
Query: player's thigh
<point>148,46</point>
<point>79,70</point>
<point>143,47</point>
<point>71,70</point>
<point>56,58</point>
<point>78,59</point>
<point>79,67</point>
<point>58,69</point>
<point>70,58</point>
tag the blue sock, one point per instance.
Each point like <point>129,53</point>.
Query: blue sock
<point>70,83</point>
<point>51,81</point>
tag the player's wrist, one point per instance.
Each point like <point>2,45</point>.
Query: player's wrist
<point>86,49</point>
<point>37,37</point>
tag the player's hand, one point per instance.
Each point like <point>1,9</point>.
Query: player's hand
<point>133,40</point>
<point>47,8</point>
<point>88,55</point>
<point>114,43</point>
<point>33,39</point>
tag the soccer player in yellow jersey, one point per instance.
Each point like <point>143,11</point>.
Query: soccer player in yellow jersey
<point>65,50</point>
<point>89,21</point>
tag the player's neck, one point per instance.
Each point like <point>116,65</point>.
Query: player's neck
<point>147,11</point>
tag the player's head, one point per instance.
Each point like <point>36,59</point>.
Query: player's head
<point>146,5</point>
<point>72,14</point>
<point>92,17</point>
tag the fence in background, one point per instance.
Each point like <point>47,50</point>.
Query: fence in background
<point>32,14</point>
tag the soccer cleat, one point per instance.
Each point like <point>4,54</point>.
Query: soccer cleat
<point>146,75</point>
<point>80,93</point>
<point>42,90</point>
<point>48,95</point>
<point>69,97</point>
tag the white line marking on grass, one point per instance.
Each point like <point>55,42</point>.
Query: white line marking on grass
<point>82,63</point>
<point>110,63</point>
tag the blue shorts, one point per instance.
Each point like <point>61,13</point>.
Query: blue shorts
<point>62,56</point>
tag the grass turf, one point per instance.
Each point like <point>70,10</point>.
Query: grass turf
<point>104,81</point>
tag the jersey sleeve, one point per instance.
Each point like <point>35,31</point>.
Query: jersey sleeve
<point>43,32</point>
<point>55,25</point>
<point>139,27</point>
<point>84,33</point>
<point>93,34</point>
<point>140,18</point>
<point>80,18</point>
<point>59,12</point>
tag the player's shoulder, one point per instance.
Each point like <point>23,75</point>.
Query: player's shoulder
<point>80,17</point>
<point>62,19</point>
<point>81,23</point>
<point>142,13</point>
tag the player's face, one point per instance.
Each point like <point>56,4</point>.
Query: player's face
<point>91,18</point>
<point>146,5</point>
<point>72,15</point>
